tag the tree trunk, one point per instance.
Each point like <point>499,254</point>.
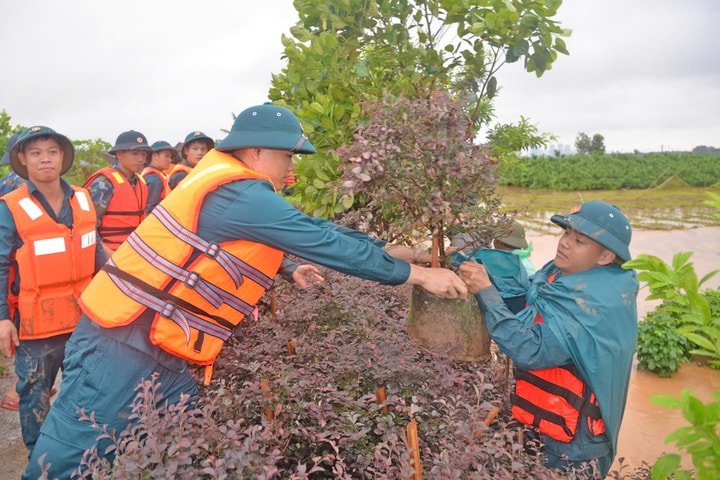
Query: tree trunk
<point>450,328</point>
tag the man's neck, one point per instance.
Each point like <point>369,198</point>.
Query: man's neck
<point>50,190</point>
<point>128,173</point>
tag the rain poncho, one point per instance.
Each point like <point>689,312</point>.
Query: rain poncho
<point>506,272</point>
<point>590,318</point>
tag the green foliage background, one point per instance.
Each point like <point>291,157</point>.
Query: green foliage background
<point>610,172</point>
<point>345,52</point>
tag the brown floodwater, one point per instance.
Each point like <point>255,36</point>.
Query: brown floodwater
<point>645,425</point>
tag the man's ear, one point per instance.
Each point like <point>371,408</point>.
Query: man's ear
<point>606,257</point>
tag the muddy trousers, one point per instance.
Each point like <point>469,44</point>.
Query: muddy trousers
<point>100,375</point>
<point>37,363</point>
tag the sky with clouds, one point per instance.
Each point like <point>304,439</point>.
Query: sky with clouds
<point>645,74</point>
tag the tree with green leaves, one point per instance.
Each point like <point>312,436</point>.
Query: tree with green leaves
<point>598,144</point>
<point>88,159</point>
<point>585,145</point>
<point>6,131</point>
<point>345,52</point>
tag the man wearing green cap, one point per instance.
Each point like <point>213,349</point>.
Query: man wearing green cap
<point>514,241</point>
<point>508,262</point>
<point>574,343</point>
<point>48,228</point>
<point>190,273</point>
<point>196,145</point>
<point>119,192</point>
<point>154,173</point>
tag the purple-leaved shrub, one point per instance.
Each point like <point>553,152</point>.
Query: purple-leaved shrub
<point>314,414</point>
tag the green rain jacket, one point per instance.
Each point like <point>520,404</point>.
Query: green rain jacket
<point>504,268</point>
<point>590,319</point>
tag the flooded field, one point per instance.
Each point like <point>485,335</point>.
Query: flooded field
<point>651,209</point>
<point>679,218</point>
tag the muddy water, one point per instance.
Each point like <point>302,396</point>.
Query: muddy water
<point>645,424</point>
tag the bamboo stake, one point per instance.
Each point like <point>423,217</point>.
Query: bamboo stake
<point>435,251</point>
<point>414,445</point>
<point>273,307</point>
<point>381,396</point>
<point>506,383</point>
<point>492,414</point>
<point>265,389</point>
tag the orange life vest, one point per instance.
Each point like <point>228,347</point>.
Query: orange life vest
<point>12,299</point>
<point>126,208</point>
<point>150,170</point>
<point>179,167</point>
<point>555,400</point>
<point>200,291</point>
<point>55,262</point>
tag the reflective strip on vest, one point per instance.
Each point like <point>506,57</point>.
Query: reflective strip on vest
<point>214,295</point>
<point>234,267</point>
<point>88,239</point>
<point>83,201</point>
<point>182,318</point>
<point>32,210</point>
<point>49,246</point>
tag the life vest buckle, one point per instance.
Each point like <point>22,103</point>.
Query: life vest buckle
<point>192,279</point>
<point>212,250</point>
<point>168,310</point>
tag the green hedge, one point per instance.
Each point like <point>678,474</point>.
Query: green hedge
<point>610,172</point>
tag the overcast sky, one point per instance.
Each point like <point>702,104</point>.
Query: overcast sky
<point>643,73</point>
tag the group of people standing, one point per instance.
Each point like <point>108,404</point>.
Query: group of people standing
<point>139,178</point>
<point>136,275</point>
<point>40,215</point>
<point>114,201</point>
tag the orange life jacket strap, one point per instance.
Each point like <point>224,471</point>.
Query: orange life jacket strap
<point>169,306</point>
<point>539,414</point>
<point>214,295</point>
<point>234,267</point>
